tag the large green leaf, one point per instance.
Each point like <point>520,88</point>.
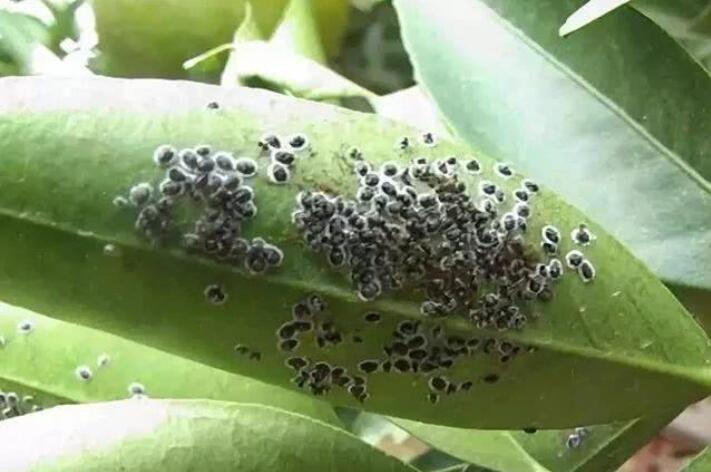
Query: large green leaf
<point>615,348</point>
<point>614,118</point>
<point>601,448</point>
<point>45,363</point>
<point>172,435</point>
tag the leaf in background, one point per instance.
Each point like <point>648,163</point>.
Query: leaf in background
<point>20,35</point>
<point>44,364</point>
<point>617,125</point>
<point>173,435</point>
<point>602,448</point>
<point>298,32</point>
<point>287,72</point>
<point>136,43</point>
<point>701,463</point>
<point>373,55</point>
<point>496,450</point>
<point>688,21</point>
<point>331,17</point>
<point>152,38</point>
<point>612,349</point>
<point>282,66</point>
<point>588,13</point>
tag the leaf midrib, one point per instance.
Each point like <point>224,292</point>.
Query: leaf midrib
<point>699,375</point>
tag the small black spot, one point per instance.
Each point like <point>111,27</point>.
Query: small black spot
<point>491,378</point>
<point>357,339</point>
<point>83,373</point>
<point>215,294</point>
<point>417,354</point>
<point>357,380</point>
<point>407,328</point>
<point>473,166</point>
<point>530,430</point>
<point>433,398</point>
<point>287,330</point>
<point>487,188</point>
<point>337,371</point>
<point>355,154</point>
<point>165,155</point>
<point>531,186</point>
<point>298,142</point>
<point>255,356</point>
<point>241,349</point>
<point>521,195</point>
<point>296,363</point>
<point>549,247</point>
<point>429,139</point>
<point>574,259</point>
<point>402,365</point>
<point>270,141</point>
<point>356,390</point>
<point>278,173</point>
<point>551,233</point>
<point>300,311</point>
<point>438,384</point>
<point>368,366</point>
<point>417,342</point>
<point>372,317</point>
<point>288,345</point>
<point>504,170</point>
<point>586,271</point>
<point>466,385</point>
<point>213,106</point>
<point>203,150</point>
<point>316,304</point>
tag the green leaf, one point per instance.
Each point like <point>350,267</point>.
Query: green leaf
<point>598,117</point>
<point>496,450</point>
<point>298,31</point>
<point>697,302</point>
<point>37,364</point>
<point>20,34</point>
<point>591,11</point>
<point>281,66</point>
<point>331,19</point>
<point>288,72</point>
<point>149,435</point>
<point>152,38</point>
<point>701,463</point>
<point>621,345</point>
<point>602,448</point>
<point>688,21</point>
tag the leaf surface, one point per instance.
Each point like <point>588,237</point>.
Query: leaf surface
<point>46,361</point>
<point>147,435</point>
<point>70,147</point>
